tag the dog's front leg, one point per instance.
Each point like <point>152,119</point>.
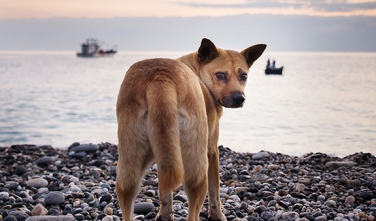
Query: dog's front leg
<point>215,212</point>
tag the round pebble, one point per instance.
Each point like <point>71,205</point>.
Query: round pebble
<point>44,161</point>
<point>20,215</point>
<point>85,148</point>
<point>37,183</point>
<point>51,218</point>
<point>260,155</point>
<point>350,200</point>
<point>20,170</point>
<point>143,208</point>
<point>4,196</point>
<point>54,198</point>
<point>39,210</point>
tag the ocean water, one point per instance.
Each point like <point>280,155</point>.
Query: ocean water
<point>323,102</point>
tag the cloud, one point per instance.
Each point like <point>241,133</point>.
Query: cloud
<point>343,7</point>
<point>319,5</point>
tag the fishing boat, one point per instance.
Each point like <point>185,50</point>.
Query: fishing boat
<point>92,49</point>
<point>271,70</point>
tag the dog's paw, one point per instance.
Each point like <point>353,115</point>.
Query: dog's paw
<point>216,214</point>
<point>167,218</point>
<point>222,219</point>
<point>217,217</point>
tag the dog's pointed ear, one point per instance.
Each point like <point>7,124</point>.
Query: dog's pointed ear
<point>252,53</point>
<point>207,51</point>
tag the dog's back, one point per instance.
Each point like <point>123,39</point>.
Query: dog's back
<point>161,113</point>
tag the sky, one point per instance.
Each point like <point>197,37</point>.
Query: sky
<point>285,25</point>
<point>45,9</point>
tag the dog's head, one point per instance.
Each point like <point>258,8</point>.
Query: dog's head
<point>225,72</point>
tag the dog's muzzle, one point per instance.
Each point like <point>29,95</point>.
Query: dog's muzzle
<point>234,101</point>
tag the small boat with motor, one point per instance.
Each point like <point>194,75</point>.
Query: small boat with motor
<point>271,69</point>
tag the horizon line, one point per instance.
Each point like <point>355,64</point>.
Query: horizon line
<point>194,16</point>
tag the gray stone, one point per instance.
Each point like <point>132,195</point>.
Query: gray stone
<point>11,185</point>
<point>260,209</point>
<point>235,198</point>
<point>54,198</point>
<point>337,164</point>
<point>260,155</point>
<point>10,218</point>
<point>108,218</point>
<point>37,183</point>
<point>80,154</point>
<point>290,215</point>
<point>266,215</point>
<point>372,207</point>
<point>51,218</point>
<point>79,217</point>
<point>321,218</point>
<point>143,208</point>
<point>43,161</point>
<point>330,203</point>
<point>20,170</point>
<point>4,196</point>
<point>181,198</point>
<point>20,215</point>
<point>85,148</point>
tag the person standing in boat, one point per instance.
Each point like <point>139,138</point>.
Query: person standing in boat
<point>273,64</point>
<point>268,63</point>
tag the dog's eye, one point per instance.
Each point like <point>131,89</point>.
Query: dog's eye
<point>221,76</point>
<point>243,77</point>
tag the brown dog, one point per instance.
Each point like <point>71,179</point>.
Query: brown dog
<point>168,112</point>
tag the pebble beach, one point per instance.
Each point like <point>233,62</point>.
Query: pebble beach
<point>40,183</point>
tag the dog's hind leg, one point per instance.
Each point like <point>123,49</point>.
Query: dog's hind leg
<point>196,189</point>
<point>194,148</point>
<point>135,156</point>
<point>215,212</point>
<point>126,190</point>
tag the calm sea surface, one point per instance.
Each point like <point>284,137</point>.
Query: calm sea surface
<point>324,102</point>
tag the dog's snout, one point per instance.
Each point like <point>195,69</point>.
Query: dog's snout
<point>238,99</point>
<point>235,100</point>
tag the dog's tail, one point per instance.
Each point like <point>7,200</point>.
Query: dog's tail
<point>163,131</point>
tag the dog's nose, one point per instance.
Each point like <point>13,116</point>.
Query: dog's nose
<point>238,99</point>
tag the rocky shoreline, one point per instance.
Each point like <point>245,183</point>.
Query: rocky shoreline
<point>43,183</point>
